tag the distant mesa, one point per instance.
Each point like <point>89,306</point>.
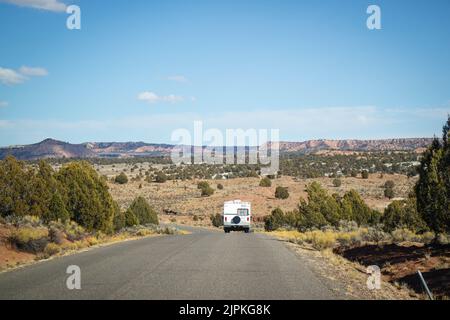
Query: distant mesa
<point>54,149</point>
<point>49,148</point>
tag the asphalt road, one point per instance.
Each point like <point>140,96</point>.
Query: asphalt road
<point>202,265</point>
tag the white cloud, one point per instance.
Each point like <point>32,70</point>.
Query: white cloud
<point>33,72</point>
<point>3,104</point>
<point>177,78</point>
<point>151,97</point>
<point>49,5</point>
<point>11,77</point>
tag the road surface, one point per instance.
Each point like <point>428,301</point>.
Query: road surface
<point>203,265</point>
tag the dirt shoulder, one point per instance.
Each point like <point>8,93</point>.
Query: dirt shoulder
<point>347,278</point>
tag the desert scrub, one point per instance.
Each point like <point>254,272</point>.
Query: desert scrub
<point>443,238</point>
<point>167,230</point>
<point>69,246</point>
<point>281,193</point>
<point>348,225</point>
<point>377,235</point>
<point>216,220</point>
<point>56,235</point>
<point>81,244</point>
<point>73,231</point>
<point>427,237</point>
<point>51,249</point>
<point>121,178</point>
<point>350,238</point>
<point>25,221</point>
<point>29,239</point>
<point>321,240</point>
<point>287,234</point>
<point>92,241</point>
<point>265,182</point>
<point>404,235</point>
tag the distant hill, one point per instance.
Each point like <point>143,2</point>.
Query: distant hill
<point>50,148</point>
<point>46,149</point>
<point>313,146</point>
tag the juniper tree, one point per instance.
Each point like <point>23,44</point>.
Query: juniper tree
<point>433,187</point>
<point>143,211</point>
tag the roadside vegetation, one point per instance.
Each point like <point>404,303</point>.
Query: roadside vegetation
<point>47,212</point>
<point>205,189</point>
<point>410,234</point>
<point>31,235</point>
<point>425,210</point>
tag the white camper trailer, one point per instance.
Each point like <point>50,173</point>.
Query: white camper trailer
<point>237,216</point>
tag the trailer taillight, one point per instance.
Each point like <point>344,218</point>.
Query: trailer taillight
<point>225,218</point>
<point>248,219</point>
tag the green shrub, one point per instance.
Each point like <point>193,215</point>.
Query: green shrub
<point>403,234</point>
<point>73,231</point>
<point>347,226</point>
<point>433,187</point>
<point>143,212</point>
<point>265,182</point>
<point>354,208</point>
<point>121,178</point>
<point>119,220</point>
<point>87,197</point>
<point>389,193</point>
<point>275,220</point>
<point>160,177</point>
<point>389,184</point>
<point>29,191</point>
<point>403,214</point>
<point>281,193</point>
<point>205,188</point>
<point>206,192</point>
<point>365,174</point>
<point>321,209</point>
<point>57,210</point>
<point>216,220</point>
<point>202,185</point>
<point>376,234</point>
<point>130,218</point>
<point>337,182</point>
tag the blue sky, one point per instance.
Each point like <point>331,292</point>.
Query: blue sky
<point>137,70</point>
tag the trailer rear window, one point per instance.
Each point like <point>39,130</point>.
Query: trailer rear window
<point>242,212</point>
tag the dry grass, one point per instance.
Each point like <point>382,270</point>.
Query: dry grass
<point>27,234</point>
<point>321,240</point>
